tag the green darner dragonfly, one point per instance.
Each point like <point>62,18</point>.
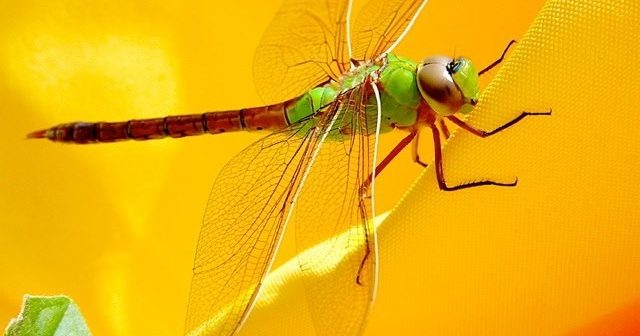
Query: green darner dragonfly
<point>336,87</point>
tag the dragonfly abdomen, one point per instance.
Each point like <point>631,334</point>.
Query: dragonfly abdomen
<point>270,117</point>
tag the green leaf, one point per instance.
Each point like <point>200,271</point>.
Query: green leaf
<point>48,316</point>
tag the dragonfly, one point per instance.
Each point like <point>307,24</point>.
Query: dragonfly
<point>336,86</point>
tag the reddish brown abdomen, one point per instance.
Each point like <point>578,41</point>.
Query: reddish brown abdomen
<point>272,117</point>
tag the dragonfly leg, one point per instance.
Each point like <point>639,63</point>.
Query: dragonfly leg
<point>366,254</point>
<point>416,142</point>
<point>394,152</point>
<point>414,150</point>
<point>496,62</point>
<point>365,227</point>
<point>444,128</point>
<point>440,174</point>
<point>483,134</point>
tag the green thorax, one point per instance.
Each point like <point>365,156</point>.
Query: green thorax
<point>399,95</point>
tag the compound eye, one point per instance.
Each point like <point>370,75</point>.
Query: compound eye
<point>438,88</point>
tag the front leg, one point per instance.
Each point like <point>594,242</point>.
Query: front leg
<point>414,150</point>
<point>483,134</point>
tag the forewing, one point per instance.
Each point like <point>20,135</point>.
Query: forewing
<point>381,25</point>
<point>305,45</point>
<point>242,228</point>
<point>334,210</point>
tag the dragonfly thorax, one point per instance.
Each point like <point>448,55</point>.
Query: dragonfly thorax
<point>399,96</point>
<point>445,84</point>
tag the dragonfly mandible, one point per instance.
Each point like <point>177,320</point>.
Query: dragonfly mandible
<point>338,86</point>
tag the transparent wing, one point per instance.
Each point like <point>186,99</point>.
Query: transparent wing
<point>380,26</point>
<point>242,227</point>
<point>305,45</point>
<point>335,207</point>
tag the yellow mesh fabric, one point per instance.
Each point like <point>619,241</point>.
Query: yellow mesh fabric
<point>558,254</point>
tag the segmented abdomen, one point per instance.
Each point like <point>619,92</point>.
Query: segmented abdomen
<point>271,117</point>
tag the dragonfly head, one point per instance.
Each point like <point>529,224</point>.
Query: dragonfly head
<point>448,85</point>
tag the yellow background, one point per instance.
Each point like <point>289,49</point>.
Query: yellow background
<point>114,226</point>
